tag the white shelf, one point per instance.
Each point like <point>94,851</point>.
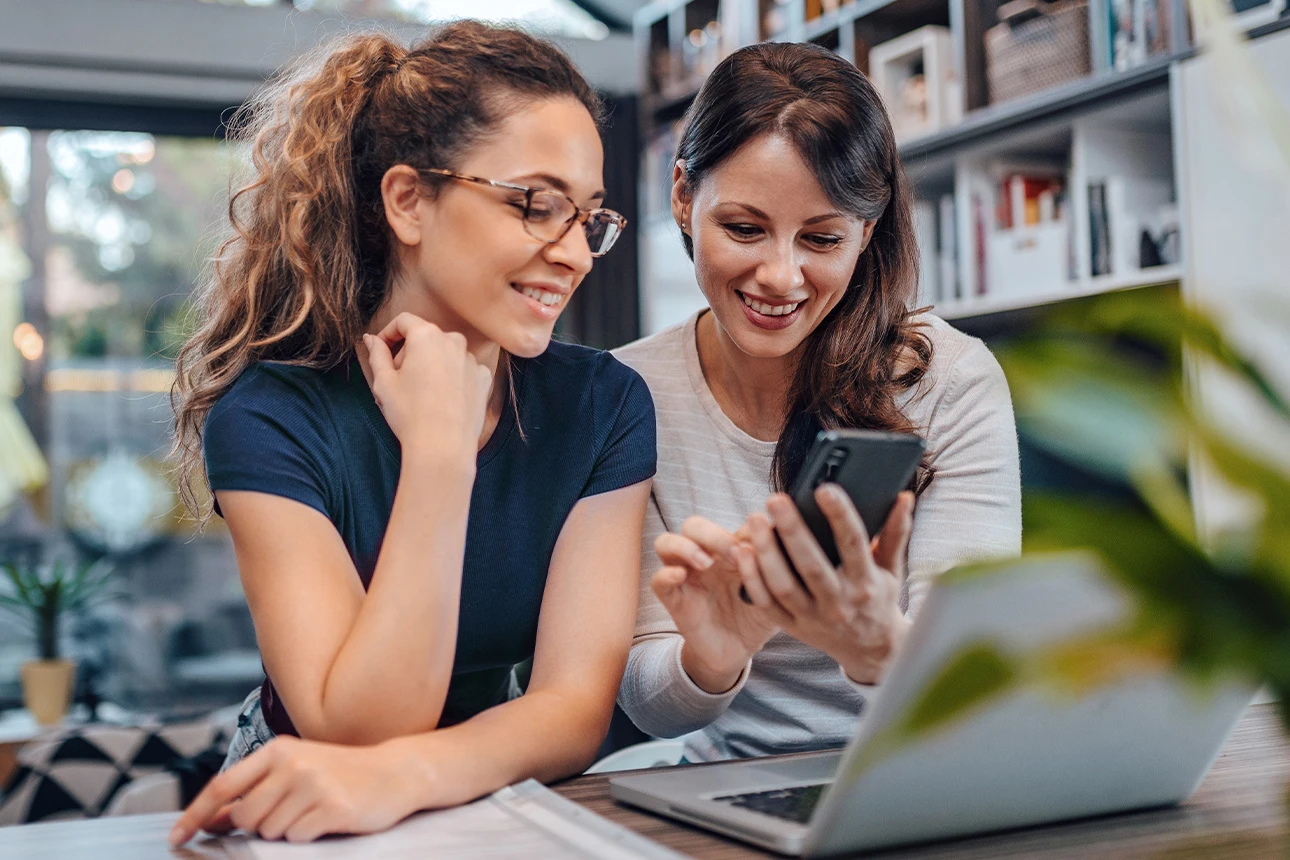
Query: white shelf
<point>1095,286</point>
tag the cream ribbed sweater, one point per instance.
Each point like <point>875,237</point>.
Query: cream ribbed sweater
<point>794,697</point>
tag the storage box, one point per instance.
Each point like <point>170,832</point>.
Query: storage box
<point>1028,260</point>
<point>1037,45</point>
<point>915,76</point>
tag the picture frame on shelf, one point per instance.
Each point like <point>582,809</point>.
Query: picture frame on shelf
<point>916,77</point>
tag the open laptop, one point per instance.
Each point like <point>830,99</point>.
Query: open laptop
<point>1036,753</point>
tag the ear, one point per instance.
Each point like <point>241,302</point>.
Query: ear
<point>867,234</point>
<point>401,193</point>
<point>682,196</point>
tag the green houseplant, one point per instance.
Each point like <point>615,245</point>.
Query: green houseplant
<point>40,594</point>
<point>1108,387</point>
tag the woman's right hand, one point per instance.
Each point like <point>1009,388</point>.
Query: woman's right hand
<point>433,394</point>
<point>699,586</point>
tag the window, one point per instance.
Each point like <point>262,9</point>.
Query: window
<point>116,227</point>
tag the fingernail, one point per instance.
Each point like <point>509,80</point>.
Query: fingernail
<point>836,494</point>
<point>177,837</point>
<point>702,560</point>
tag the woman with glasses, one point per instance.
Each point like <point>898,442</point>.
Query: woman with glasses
<point>421,488</point>
<point>810,326</point>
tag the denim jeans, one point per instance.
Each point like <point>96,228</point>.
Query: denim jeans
<point>252,731</point>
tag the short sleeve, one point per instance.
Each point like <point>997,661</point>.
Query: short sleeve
<point>623,412</point>
<point>268,435</point>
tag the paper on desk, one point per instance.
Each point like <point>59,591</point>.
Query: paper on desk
<point>524,820</point>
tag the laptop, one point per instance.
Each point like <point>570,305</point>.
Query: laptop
<point>1036,752</point>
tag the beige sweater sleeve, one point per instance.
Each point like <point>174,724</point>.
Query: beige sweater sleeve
<point>656,692</point>
<point>972,509</point>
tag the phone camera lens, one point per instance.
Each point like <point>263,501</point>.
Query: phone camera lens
<point>832,466</point>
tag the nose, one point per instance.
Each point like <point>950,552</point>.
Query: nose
<point>572,250</point>
<point>781,271</point>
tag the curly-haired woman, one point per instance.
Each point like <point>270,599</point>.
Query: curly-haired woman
<point>422,489</point>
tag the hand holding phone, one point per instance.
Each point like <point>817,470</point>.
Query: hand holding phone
<point>871,467</point>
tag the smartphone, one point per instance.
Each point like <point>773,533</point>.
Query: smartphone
<point>871,466</point>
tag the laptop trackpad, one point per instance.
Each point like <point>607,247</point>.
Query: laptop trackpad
<point>812,768</point>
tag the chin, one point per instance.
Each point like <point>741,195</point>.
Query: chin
<point>526,344</point>
<point>760,343</point>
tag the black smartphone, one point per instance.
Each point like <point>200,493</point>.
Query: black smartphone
<point>871,466</point>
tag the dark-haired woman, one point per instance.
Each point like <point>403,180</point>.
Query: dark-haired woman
<point>420,492</point>
<point>792,202</point>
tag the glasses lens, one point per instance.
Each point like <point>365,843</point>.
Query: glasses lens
<point>603,229</point>
<point>547,214</point>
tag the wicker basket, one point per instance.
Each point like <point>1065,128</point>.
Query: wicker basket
<point>1038,45</point>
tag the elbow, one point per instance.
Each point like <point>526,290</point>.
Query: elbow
<point>585,719</point>
<point>659,723</point>
<point>367,720</point>
<point>362,733</point>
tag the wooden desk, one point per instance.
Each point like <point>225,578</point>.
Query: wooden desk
<point>1238,811</point>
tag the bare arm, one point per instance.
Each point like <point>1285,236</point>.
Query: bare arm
<point>355,668</point>
<point>361,668</point>
<point>584,633</point>
<point>302,790</point>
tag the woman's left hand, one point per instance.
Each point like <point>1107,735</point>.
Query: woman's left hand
<point>300,790</point>
<point>850,612</point>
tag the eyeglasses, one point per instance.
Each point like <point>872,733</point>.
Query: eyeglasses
<point>549,215</point>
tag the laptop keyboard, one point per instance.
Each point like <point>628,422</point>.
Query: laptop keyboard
<point>791,804</point>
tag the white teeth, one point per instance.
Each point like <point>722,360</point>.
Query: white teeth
<point>769,310</point>
<point>544,296</point>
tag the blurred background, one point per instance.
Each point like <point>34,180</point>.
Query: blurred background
<point>1059,150</point>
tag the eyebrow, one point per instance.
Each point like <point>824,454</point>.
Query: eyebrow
<point>816,220</point>
<point>549,181</point>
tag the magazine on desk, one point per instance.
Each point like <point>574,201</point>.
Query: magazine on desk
<point>523,820</point>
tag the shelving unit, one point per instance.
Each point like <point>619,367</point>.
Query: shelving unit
<point>1112,129</point>
<point>967,308</point>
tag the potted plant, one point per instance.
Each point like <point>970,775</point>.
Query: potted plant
<point>40,594</point>
<point>1106,386</point>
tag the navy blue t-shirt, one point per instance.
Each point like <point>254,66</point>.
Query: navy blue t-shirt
<point>586,426</point>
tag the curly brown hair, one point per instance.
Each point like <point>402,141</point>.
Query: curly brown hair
<point>869,348</point>
<point>307,262</point>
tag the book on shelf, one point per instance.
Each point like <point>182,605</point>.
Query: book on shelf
<point>1125,214</point>
<point>1027,199</point>
<point>1099,231</point>
<point>947,250</point>
<point>1139,30</point>
<point>926,231</point>
<point>1025,245</point>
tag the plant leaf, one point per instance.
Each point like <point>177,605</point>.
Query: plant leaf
<point>975,675</point>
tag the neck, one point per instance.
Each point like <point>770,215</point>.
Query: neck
<point>751,391</point>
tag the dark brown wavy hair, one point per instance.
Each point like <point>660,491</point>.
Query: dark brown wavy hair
<point>869,348</point>
<point>307,262</point>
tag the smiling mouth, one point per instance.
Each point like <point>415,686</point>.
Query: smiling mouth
<point>543,297</point>
<point>768,309</point>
